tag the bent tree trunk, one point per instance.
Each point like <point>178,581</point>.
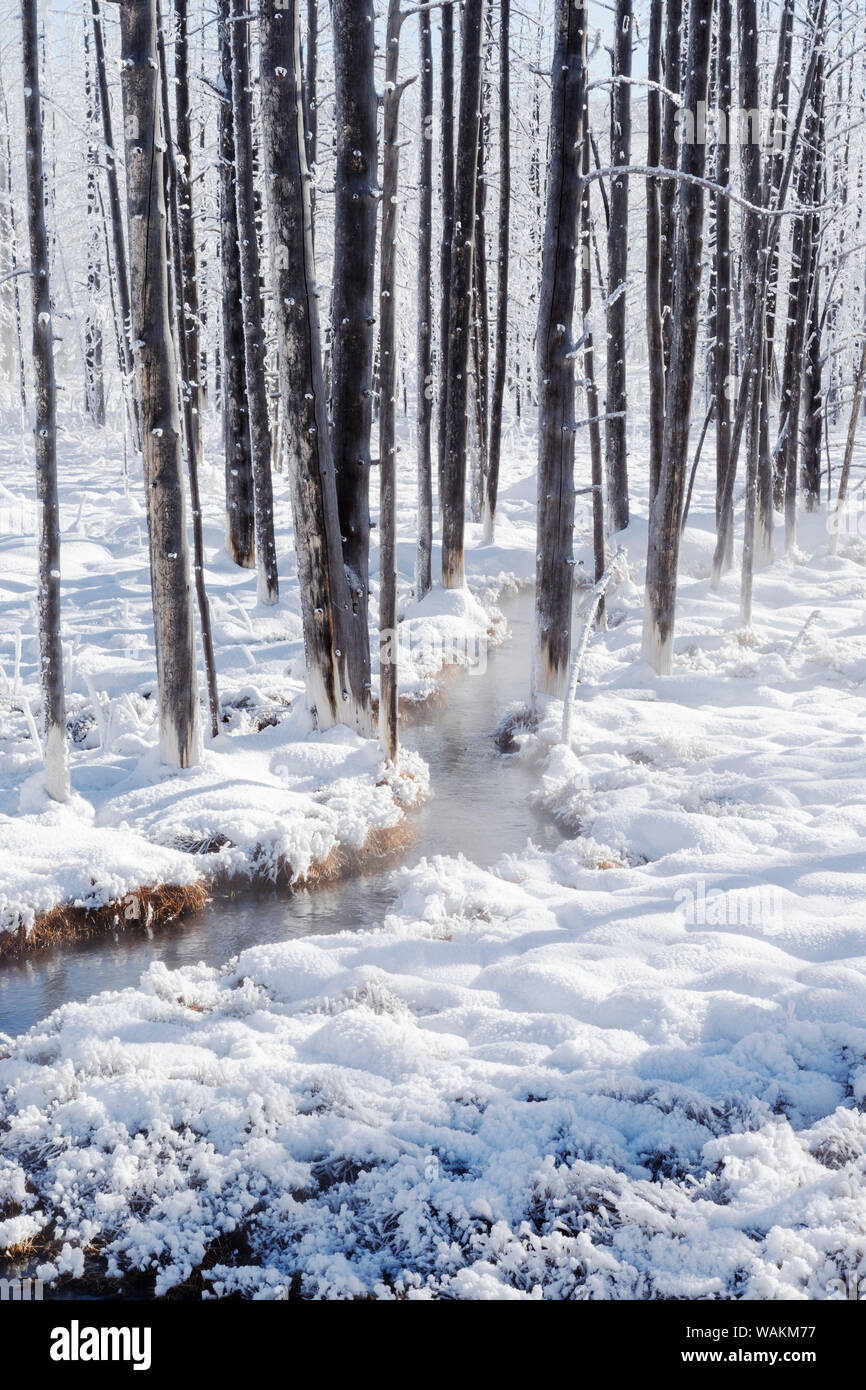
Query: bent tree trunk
<point>423,576</point>
<point>180,737</point>
<point>666,514</point>
<point>50,647</point>
<point>240,523</point>
<point>617,261</point>
<point>268,585</point>
<point>556,425</point>
<point>502,257</point>
<point>355,199</point>
<point>460,305</point>
<point>321,576</point>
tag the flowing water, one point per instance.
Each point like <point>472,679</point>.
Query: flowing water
<point>479,808</point>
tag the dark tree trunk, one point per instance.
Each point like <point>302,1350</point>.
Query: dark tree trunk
<point>240,521</point>
<point>311,96</point>
<point>617,263</point>
<point>590,384</point>
<point>352,335</point>
<point>810,475</point>
<point>158,388</point>
<point>121,269</point>
<point>251,294</point>
<point>500,366</point>
<point>189,414</point>
<point>94,380</point>
<point>447,180</point>
<point>655,338</point>
<point>50,646</point>
<point>388,388</point>
<point>321,574</point>
<point>555,558</point>
<point>423,552</point>
<point>460,302</point>
<point>480,319</point>
<point>758,524</point>
<point>668,195</point>
<point>186,216</point>
<point>723,273</point>
<point>666,515</point>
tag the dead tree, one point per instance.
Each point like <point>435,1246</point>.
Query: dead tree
<point>460,299</point>
<point>758,521</point>
<point>500,365</point>
<point>722,370</point>
<point>94,379</point>
<point>254,334</point>
<point>240,520</point>
<point>158,388</point>
<point>424,376</point>
<point>590,384</point>
<point>178,267</point>
<point>446,154</point>
<point>668,187</point>
<point>322,579</point>
<point>655,334</point>
<point>186,215</point>
<point>121,267</point>
<point>50,645</point>
<point>352,330</point>
<point>666,514</point>
<point>617,263</point>
<point>388,388</point>
<point>554,581</point>
<point>311,96</point>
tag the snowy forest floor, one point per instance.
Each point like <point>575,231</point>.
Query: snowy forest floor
<point>270,798</point>
<point>633,1066</point>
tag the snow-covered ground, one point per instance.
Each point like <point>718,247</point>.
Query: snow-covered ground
<point>270,796</point>
<point>631,1067</point>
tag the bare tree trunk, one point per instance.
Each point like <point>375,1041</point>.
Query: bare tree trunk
<point>723,276</point>
<point>254,334</point>
<point>354,318</point>
<point>189,415</point>
<point>423,552</point>
<point>9,240</point>
<point>856,405</point>
<point>50,646</point>
<point>480,384</point>
<point>388,388</point>
<point>758,525</point>
<point>186,217</point>
<point>311,96</point>
<point>94,379</point>
<point>554,582</point>
<point>158,394</point>
<point>617,263</point>
<point>668,187</point>
<point>590,384</point>
<point>655,337</point>
<point>447,179</point>
<point>460,302</point>
<point>321,575</point>
<point>665,518</point>
<point>240,521</point>
<point>121,269</point>
<point>502,258</point>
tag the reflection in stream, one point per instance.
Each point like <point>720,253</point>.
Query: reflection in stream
<point>479,808</point>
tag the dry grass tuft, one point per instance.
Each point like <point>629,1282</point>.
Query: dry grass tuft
<point>161,902</point>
